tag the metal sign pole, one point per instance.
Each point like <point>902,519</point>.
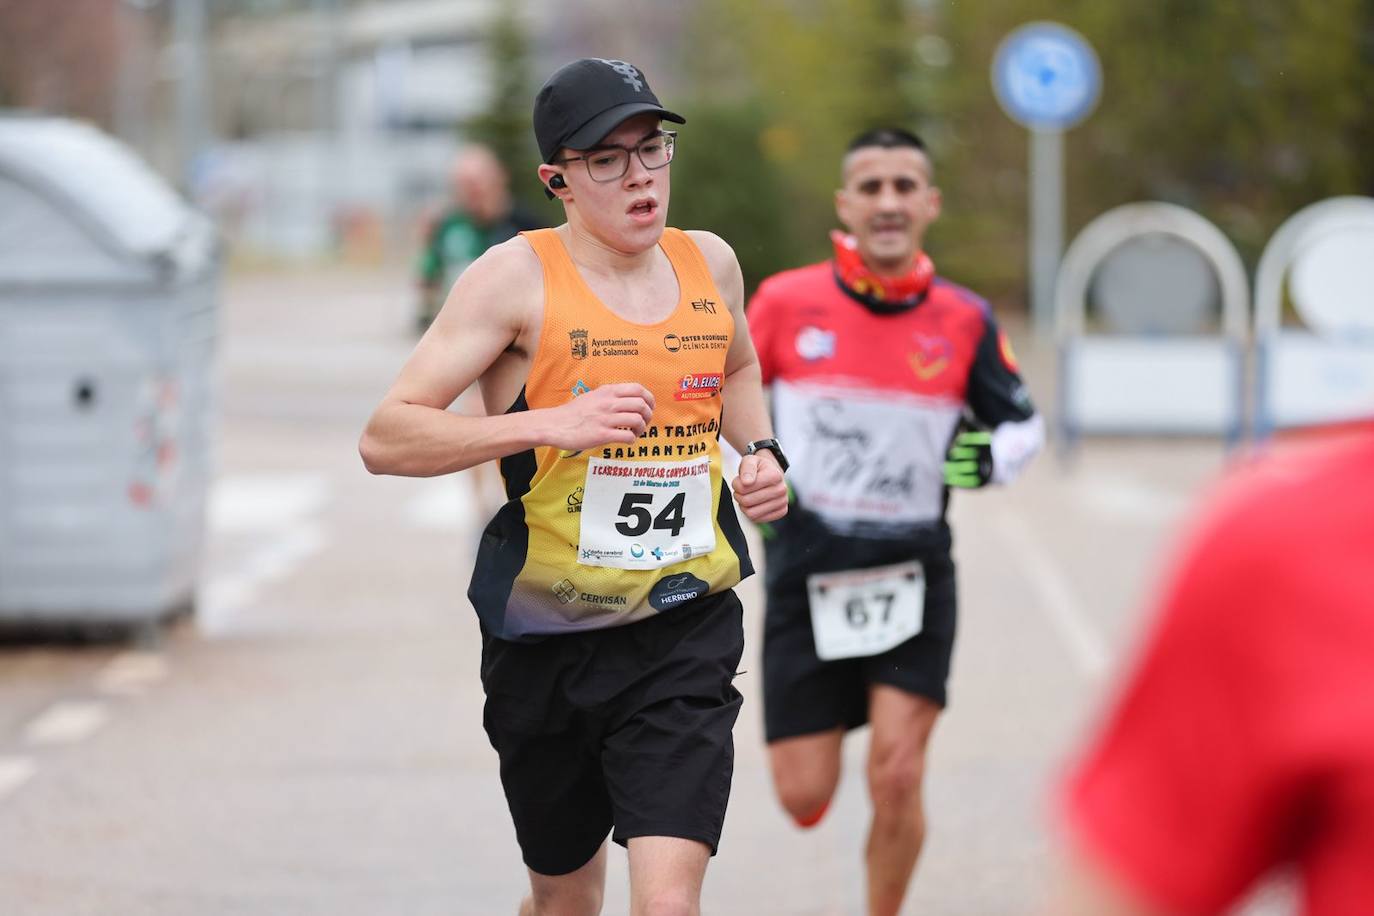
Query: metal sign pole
<point>328,23</point>
<point>1046,242</point>
<point>1047,79</point>
<point>188,26</point>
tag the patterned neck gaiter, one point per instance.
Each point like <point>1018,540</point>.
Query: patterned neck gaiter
<point>881,294</point>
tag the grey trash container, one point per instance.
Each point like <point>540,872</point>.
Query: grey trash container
<point>108,293</point>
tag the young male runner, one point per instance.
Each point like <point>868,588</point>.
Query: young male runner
<point>875,363</point>
<point>612,353</point>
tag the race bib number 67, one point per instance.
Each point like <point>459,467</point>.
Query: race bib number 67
<point>866,611</point>
<point>645,514</point>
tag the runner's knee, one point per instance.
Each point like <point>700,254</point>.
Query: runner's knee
<point>894,781</point>
<point>805,804</point>
<point>669,903</point>
<point>806,771</point>
<point>566,900</point>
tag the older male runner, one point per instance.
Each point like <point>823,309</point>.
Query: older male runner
<point>875,364</point>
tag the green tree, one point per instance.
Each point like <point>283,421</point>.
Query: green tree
<point>1245,112</point>
<point>505,124</point>
<point>798,80</point>
<point>1241,111</point>
<point>749,207</point>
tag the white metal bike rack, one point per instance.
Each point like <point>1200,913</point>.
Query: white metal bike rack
<point>1131,384</point>
<point>1323,373</point>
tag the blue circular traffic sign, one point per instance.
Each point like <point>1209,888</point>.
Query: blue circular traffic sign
<point>1046,76</point>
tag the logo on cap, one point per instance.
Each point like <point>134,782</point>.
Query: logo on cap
<point>626,70</point>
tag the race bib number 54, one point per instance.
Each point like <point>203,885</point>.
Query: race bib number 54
<point>866,611</point>
<point>646,514</point>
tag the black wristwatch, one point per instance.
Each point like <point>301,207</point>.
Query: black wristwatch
<point>770,445</point>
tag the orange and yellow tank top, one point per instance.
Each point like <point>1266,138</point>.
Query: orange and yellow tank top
<point>610,535</point>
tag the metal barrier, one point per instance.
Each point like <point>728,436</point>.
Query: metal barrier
<point>1323,373</point>
<point>1127,384</point>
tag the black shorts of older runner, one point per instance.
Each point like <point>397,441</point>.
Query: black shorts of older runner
<point>804,695</point>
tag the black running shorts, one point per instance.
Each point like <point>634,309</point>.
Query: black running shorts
<point>628,727</point>
<point>803,695</point>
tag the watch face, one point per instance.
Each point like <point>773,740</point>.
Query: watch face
<point>769,445</point>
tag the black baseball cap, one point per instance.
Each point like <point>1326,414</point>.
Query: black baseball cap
<point>587,99</point>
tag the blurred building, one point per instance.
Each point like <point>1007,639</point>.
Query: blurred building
<point>338,119</point>
<point>335,122</point>
<point>60,63</point>
<point>306,126</point>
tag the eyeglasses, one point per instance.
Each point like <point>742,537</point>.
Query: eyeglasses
<point>607,163</point>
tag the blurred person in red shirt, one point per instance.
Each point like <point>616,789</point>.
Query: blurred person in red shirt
<point>1243,742</point>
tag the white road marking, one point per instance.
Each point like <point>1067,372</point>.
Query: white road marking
<point>224,593</point>
<point>280,511</point>
<point>276,559</point>
<point>1066,613</point>
<point>277,506</point>
<point>66,722</point>
<point>442,504</point>
<point>132,673</point>
<point>283,554</point>
<point>1120,497</point>
<point>14,772</point>
<point>254,502</point>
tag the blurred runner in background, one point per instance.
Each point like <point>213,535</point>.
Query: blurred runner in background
<point>1243,742</point>
<point>481,214</point>
<point>890,385</point>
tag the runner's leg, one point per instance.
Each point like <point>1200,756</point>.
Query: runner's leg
<point>901,726</point>
<point>665,875</point>
<point>806,770</point>
<point>577,893</point>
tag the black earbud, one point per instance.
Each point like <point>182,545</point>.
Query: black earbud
<point>557,182</point>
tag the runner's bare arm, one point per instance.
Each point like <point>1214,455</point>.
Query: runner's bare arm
<point>494,306</point>
<point>745,417</point>
<point>759,487</point>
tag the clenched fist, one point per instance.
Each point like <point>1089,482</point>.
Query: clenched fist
<point>759,488</point>
<point>618,412</point>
